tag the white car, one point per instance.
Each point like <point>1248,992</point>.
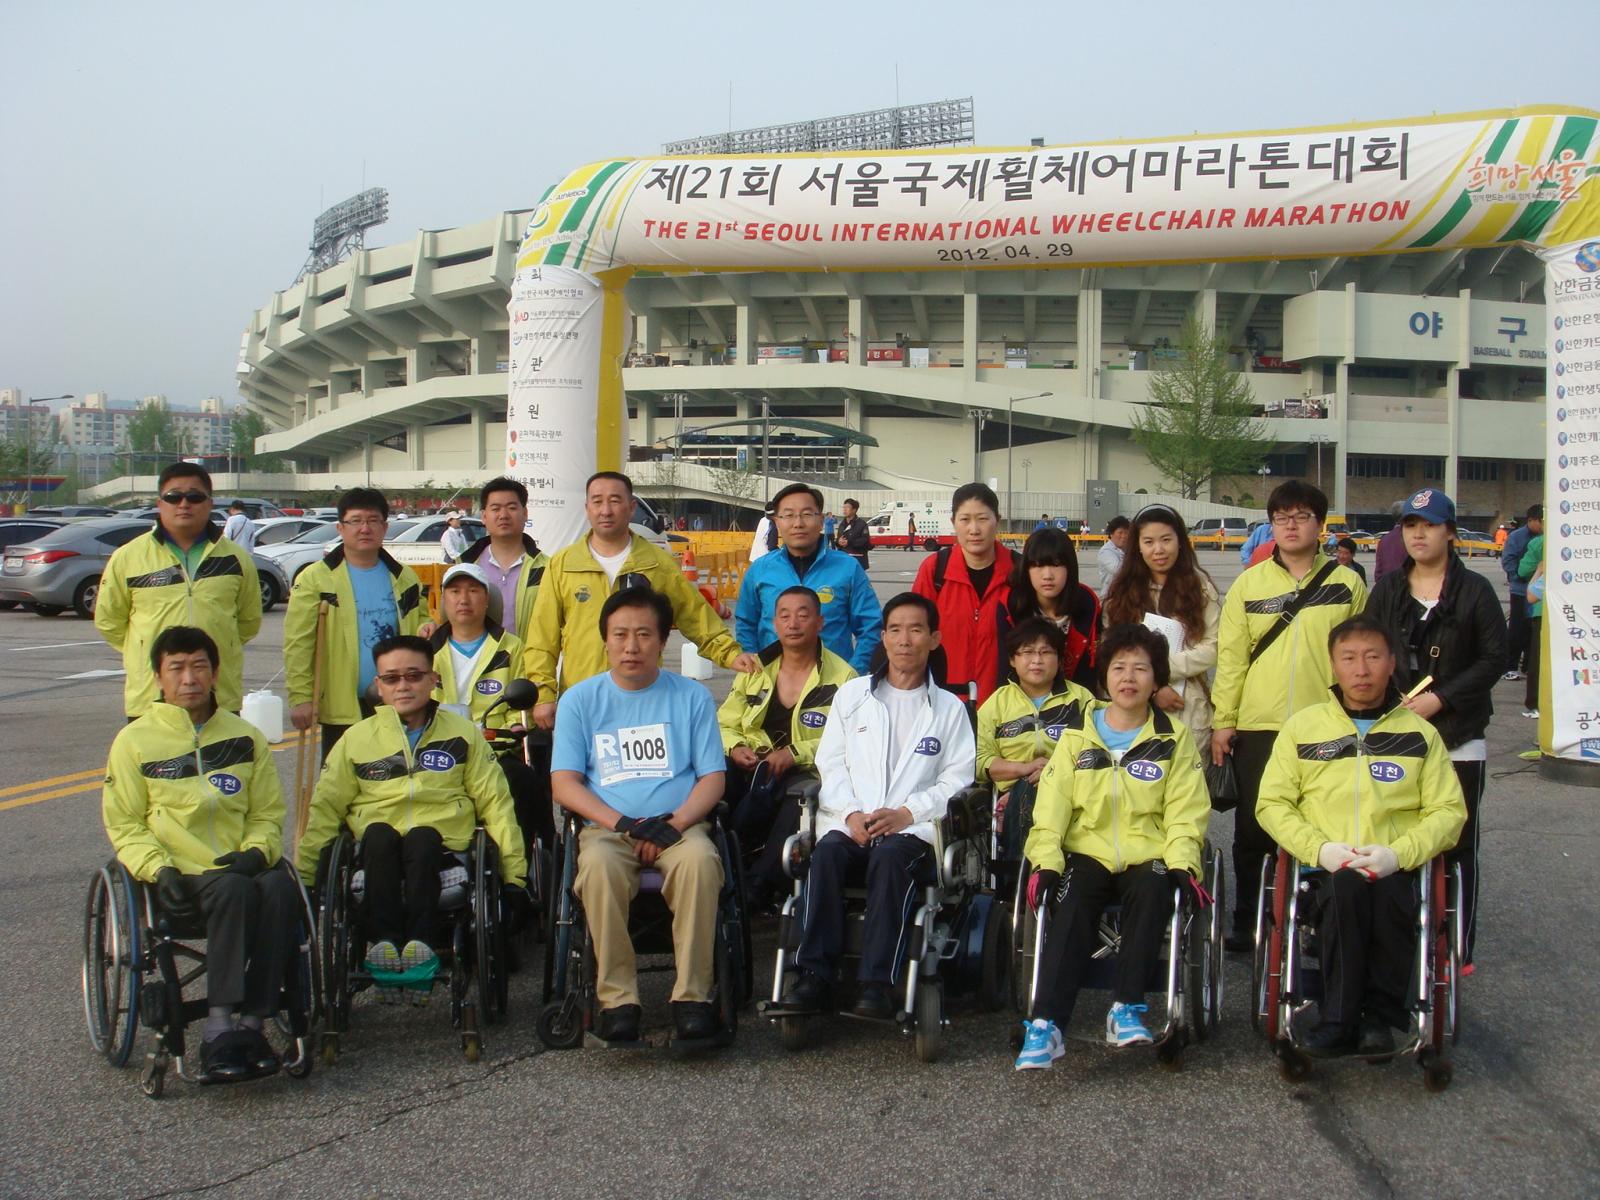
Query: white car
<point>300,551</point>
<point>275,530</point>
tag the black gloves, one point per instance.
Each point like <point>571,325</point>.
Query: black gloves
<point>518,908</point>
<point>656,830</point>
<point>249,862</point>
<point>174,897</point>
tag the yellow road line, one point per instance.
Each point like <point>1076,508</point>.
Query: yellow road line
<point>78,787</point>
<point>39,783</point>
<point>22,801</point>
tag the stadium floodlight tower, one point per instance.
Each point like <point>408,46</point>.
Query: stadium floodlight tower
<point>905,127</point>
<point>342,229</point>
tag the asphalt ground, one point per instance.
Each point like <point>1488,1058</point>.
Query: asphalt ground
<point>403,1114</point>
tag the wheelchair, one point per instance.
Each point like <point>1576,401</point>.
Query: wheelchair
<point>138,962</point>
<point>1286,974</point>
<point>958,935</point>
<point>470,939</point>
<point>531,746</point>
<point>1188,973</point>
<point>570,1003</point>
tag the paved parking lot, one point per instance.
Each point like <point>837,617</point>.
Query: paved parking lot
<point>402,1114</point>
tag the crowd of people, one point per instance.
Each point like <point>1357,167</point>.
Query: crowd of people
<point>1104,718</point>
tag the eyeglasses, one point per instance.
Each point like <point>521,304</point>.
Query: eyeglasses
<point>809,514</point>
<point>1283,520</point>
<point>190,497</point>
<point>395,678</point>
<point>364,523</point>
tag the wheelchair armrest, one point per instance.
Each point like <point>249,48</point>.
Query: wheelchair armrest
<point>808,796</point>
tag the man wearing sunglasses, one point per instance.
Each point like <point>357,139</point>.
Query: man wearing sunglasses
<point>183,572</point>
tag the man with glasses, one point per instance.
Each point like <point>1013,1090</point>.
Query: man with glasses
<point>360,596</point>
<point>183,572</point>
<point>852,618</point>
<point>1272,661</point>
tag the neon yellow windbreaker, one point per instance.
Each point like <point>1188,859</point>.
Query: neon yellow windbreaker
<point>1011,727</point>
<point>1151,804</point>
<point>742,713</point>
<point>452,783</point>
<point>145,589</point>
<point>177,797</point>
<point>1394,787</point>
<point>501,659</point>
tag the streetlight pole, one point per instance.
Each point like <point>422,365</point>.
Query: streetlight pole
<point>766,450</point>
<point>1318,440</point>
<point>1010,407</point>
<point>27,495</point>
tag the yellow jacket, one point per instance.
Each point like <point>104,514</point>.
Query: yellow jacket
<point>341,669</point>
<point>501,662</point>
<point>1152,804</point>
<point>1011,727</point>
<point>742,713</point>
<point>144,589</point>
<point>566,615</point>
<point>1295,670</point>
<point>177,797</point>
<point>1395,787</point>
<point>534,563</point>
<point>452,783</point>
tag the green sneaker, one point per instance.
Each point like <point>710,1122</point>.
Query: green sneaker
<point>384,960</point>
<point>420,964</point>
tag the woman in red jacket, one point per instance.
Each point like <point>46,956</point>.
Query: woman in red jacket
<point>967,582</point>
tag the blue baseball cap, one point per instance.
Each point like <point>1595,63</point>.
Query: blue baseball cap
<point>1432,505</point>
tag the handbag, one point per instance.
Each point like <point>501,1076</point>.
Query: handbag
<point>1223,784</point>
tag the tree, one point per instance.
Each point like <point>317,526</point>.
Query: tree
<point>247,425</point>
<point>154,431</point>
<point>735,485</point>
<point>1200,422</point>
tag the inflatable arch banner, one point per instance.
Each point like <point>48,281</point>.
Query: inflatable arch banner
<point>1525,176</point>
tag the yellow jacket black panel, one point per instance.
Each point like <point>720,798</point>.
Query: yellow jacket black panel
<point>534,563</point>
<point>1012,727</point>
<point>1294,671</point>
<point>1395,787</point>
<point>452,783</point>
<point>566,615</point>
<point>500,661</point>
<point>179,797</point>
<point>1148,803</point>
<point>745,708</point>
<point>341,668</point>
<point>145,589</point>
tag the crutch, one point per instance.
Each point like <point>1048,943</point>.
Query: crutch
<point>305,768</point>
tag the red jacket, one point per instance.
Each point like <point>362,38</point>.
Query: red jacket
<point>966,619</point>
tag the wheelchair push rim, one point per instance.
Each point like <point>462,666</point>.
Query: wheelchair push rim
<point>111,973</point>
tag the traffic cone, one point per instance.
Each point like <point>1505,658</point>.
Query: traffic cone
<point>691,570</point>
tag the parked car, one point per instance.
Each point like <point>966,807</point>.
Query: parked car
<point>1217,532</point>
<point>16,530</point>
<point>62,569</point>
<point>299,552</point>
<point>416,540</point>
<point>276,530</point>
<point>72,510</point>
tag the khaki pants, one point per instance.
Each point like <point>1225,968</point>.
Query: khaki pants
<point>608,880</point>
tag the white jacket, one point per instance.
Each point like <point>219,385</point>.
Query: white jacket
<point>852,759</point>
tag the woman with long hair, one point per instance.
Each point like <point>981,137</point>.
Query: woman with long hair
<point>1044,583</point>
<point>1161,575</point>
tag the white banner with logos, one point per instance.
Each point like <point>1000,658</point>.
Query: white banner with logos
<point>555,324</point>
<point>1572,507</point>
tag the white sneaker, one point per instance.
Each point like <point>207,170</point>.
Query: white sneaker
<point>1042,1044</point>
<point>1531,712</point>
<point>1513,675</point>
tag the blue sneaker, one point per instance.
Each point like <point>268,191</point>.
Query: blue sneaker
<point>1125,1026</point>
<point>1042,1044</point>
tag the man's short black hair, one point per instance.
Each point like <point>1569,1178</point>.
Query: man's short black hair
<point>795,489</point>
<point>363,499</point>
<point>1296,493</point>
<point>1026,633</point>
<point>1120,638</point>
<point>1349,544</point>
<point>403,641</point>
<point>236,506</point>
<point>1359,624</point>
<point>799,589</point>
<point>502,483</point>
<point>618,476</point>
<point>1117,522</point>
<point>914,600</point>
<point>182,639</point>
<point>853,503</point>
<point>638,597</point>
<point>184,470</point>
<point>981,492</point>
<point>1536,513</point>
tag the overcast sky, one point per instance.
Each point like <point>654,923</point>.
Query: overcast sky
<point>163,163</point>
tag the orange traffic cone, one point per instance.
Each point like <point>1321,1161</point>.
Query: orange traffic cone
<point>691,570</point>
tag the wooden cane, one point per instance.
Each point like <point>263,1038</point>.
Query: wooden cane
<point>305,773</point>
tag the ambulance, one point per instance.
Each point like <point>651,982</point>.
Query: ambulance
<point>892,527</point>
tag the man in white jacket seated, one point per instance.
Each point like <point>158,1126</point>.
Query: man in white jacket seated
<point>896,748</point>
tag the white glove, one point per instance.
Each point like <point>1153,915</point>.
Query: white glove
<point>1333,856</point>
<point>1379,862</point>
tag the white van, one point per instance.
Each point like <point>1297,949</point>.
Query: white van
<point>893,527</point>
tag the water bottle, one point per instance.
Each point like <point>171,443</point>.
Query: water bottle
<point>693,666</point>
<point>264,710</point>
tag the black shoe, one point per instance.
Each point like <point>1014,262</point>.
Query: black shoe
<point>222,1059</point>
<point>1328,1041</point>
<point>620,1024</point>
<point>258,1052</point>
<point>1239,942</point>
<point>693,1020</point>
<point>808,993</point>
<point>1374,1039</point>
<point>874,1002</point>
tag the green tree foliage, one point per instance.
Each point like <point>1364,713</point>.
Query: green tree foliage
<point>153,430</point>
<point>246,427</point>
<point>1200,424</point>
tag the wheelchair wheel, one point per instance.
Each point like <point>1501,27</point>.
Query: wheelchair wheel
<point>728,983</point>
<point>929,1019</point>
<point>111,975</point>
<point>334,934</point>
<point>1458,933</point>
<point>1443,966</point>
<point>557,1029</point>
<point>1277,947</point>
<point>1203,956</point>
<point>489,948</point>
<point>302,995</point>
<point>994,980</point>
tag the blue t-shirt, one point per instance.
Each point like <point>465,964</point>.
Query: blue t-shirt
<point>1364,725</point>
<point>1115,739</point>
<point>415,735</point>
<point>641,752</point>
<point>376,615</point>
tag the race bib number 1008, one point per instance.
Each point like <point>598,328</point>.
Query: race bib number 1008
<point>634,752</point>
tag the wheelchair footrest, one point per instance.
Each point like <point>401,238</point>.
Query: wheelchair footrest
<point>682,1047</point>
<point>419,978</point>
<point>593,1041</point>
<point>782,1008</point>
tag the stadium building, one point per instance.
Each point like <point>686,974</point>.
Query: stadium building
<point>1374,376</point>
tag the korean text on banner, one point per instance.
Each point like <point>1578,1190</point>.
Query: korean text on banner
<point>1572,486</point>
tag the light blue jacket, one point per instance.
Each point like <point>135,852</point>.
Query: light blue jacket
<point>1261,533</point>
<point>852,618</point>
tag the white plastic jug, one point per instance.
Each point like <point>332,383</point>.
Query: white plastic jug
<point>264,710</point>
<point>693,666</point>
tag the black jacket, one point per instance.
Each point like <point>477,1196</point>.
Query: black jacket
<point>857,538</point>
<point>1462,645</point>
